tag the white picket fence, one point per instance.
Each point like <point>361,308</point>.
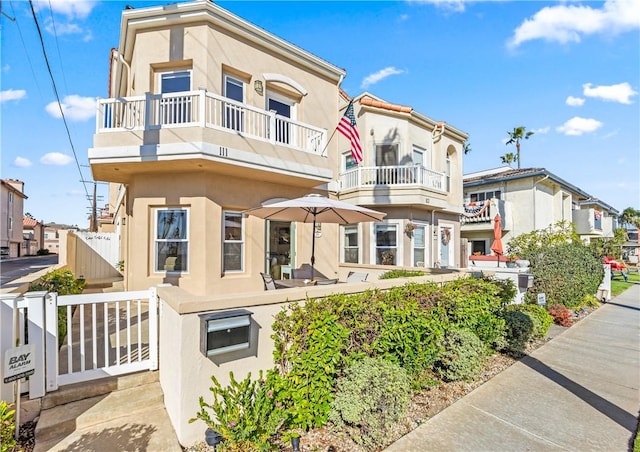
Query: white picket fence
<point>107,334</point>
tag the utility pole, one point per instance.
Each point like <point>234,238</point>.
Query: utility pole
<point>94,220</point>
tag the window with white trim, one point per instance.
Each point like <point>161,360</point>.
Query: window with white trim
<point>482,196</point>
<point>233,241</point>
<point>284,107</point>
<point>420,246</point>
<point>175,109</point>
<point>386,243</point>
<point>350,245</point>
<point>348,161</point>
<point>171,240</point>
<point>233,113</point>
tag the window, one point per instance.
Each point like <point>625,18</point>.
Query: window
<point>478,247</point>
<point>483,196</point>
<point>350,245</point>
<point>10,223</point>
<point>233,242</point>
<point>175,109</point>
<point>171,240</point>
<point>386,236</point>
<point>234,114</point>
<point>10,197</point>
<point>348,162</point>
<point>386,154</point>
<point>419,246</point>
<point>284,108</point>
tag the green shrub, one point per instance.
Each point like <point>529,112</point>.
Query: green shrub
<point>507,289</point>
<point>42,252</point>
<point>540,317</point>
<point>7,427</point>
<point>566,273</point>
<point>462,356</point>
<point>371,397</point>
<point>246,414</point>
<point>519,330</point>
<point>391,274</point>
<point>63,283</point>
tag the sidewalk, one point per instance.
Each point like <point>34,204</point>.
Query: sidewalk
<point>579,392</point>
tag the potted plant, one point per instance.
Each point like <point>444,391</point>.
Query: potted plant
<point>511,260</point>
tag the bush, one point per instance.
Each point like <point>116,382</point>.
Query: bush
<point>519,330</point>
<point>42,252</point>
<point>566,273</point>
<point>462,356</point>
<point>391,274</point>
<point>540,317</point>
<point>371,397</point>
<point>7,427</point>
<point>561,315</point>
<point>246,414</point>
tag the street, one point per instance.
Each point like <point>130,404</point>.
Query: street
<point>12,269</point>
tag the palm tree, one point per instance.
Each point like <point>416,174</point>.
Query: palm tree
<point>466,147</point>
<point>508,158</point>
<point>630,216</point>
<point>518,134</point>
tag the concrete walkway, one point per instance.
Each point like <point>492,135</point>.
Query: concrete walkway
<point>578,392</point>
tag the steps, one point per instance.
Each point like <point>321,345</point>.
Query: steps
<point>123,413</point>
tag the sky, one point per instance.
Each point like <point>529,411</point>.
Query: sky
<point>568,71</point>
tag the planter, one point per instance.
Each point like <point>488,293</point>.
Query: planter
<point>511,264</point>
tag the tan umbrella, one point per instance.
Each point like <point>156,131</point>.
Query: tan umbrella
<point>314,208</point>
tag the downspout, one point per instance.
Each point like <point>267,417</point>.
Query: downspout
<point>534,198</point>
<point>433,240</point>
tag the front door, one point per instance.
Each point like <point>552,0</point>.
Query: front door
<point>280,247</point>
<point>283,108</point>
<point>446,246</point>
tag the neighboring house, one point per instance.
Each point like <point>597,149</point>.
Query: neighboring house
<point>52,236</point>
<point>207,116</point>
<point>412,170</point>
<point>12,209</point>
<point>33,234</point>
<point>528,199</point>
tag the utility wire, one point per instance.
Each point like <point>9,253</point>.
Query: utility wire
<point>26,52</point>
<point>55,90</point>
<point>55,34</point>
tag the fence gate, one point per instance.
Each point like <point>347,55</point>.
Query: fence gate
<point>103,334</point>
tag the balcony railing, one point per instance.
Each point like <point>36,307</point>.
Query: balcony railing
<point>205,109</point>
<point>366,176</point>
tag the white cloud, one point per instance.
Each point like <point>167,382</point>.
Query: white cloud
<point>457,6</point>
<point>577,126</point>
<point>76,108</point>
<point>56,158</point>
<point>569,23</point>
<point>380,75</point>
<point>12,94</point>
<point>71,8</point>
<point>575,101</point>
<point>622,92</point>
<point>541,131</point>
<point>59,28</point>
<point>6,68</point>
<point>22,162</point>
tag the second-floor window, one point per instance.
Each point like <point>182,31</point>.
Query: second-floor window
<point>175,109</point>
<point>233,242</point>
<point>484,195</point>
<point>171,240</point>
<point>348,162</point>
<point>234,114</point>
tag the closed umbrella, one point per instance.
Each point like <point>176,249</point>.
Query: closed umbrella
<point>496,247</point>
<point>314,208</point>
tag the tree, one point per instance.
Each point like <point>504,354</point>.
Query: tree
<point>630,216</point>
<point>466,147</point>
<point>518,134</point>
<point>508,158</point>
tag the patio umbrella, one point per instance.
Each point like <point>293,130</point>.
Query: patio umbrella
<point>315,208</point>
<point>496,247</point>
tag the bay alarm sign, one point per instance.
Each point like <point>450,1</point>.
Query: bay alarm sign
<point>19,363</point>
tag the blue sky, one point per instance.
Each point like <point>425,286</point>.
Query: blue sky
<point>568,71</point>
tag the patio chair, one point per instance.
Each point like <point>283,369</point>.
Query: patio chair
<point>269,283</point>
<point>357,276</point>
<point>325,282</point>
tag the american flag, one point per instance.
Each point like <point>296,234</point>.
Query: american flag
<point>347,127</point>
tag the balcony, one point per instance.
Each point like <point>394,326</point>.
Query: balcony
<point>366,176</point>
<point>208,110</point>
<point>592,223</point>
<point>479,216</point>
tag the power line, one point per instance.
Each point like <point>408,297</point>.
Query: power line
<point>55,34</point>
<point>55,90</point>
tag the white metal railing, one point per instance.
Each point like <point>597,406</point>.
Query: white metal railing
<point>365,176</point>
<point>205,109</point>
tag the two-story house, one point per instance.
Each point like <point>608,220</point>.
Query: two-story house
<point>412,171</point>
<point>528,199</point>
<point>209,115</point>
<point>33,236</point>
<point>11,211</point>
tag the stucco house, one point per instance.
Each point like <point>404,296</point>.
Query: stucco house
<point>33,234</point>
<point>11,211</point>
<point>528,199</point>
<point>412,171</point>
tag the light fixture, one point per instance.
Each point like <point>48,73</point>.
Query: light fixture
<point>257,85</point>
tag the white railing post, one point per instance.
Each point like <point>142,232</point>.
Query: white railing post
<point>202,98</point>
<point>153,328</point>
<point>8,303</point>
<point>52,364</point>
<point>99,115</point>
<point>36,329</point>
<point>148,109</point>
<point>272,127</point>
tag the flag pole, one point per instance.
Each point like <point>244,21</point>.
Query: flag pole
<point>328,141</point>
